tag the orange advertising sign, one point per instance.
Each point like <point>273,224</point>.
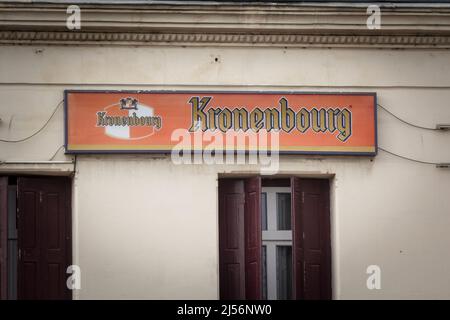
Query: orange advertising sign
<point>155,121</point>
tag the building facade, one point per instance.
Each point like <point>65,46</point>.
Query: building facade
<point>140,226</point>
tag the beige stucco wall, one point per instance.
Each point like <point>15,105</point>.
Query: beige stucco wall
<point>146,228</point>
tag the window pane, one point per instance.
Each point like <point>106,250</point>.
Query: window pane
<point>284,272</point>
<point>264,272</point>
<point>284,211</point>
<point>263,211</point>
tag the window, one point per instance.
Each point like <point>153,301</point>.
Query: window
<point>274,238</point>
<point>277,242</point>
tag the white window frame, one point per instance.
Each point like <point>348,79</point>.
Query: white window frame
<point>271,238</point>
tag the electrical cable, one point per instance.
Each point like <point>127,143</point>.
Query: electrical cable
<point>406,122</point>
<point>412,125</point>
<point>380,148</point>
<point>74,167</point>
<point>56,152</point>
<point>406,158</point>
<point>37,132</point>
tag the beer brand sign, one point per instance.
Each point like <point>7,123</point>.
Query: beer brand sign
<point>136,121</point>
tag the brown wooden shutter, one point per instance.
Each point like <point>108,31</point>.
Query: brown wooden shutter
<point>44,238</point>
<point>240,238</point>
<point>311,238</point>
<point>297,243</point>
<point>253,238</point>
<point>3,238</point>
<point>231,239</point>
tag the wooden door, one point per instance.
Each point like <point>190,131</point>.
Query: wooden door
<point>231,239</point>
<point>253,240</point>
<point>44,241</point>
<point>312,244</point>
<point>3,238</point>
<point>240,238</point>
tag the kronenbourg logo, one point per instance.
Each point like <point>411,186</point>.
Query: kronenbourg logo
<point>128,120</point>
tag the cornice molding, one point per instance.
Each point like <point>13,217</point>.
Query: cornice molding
<point>207,39</point>
<point>298,26</point>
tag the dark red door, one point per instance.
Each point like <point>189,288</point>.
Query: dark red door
<point>3,237</point>
<point>311,239</point>
<point>253,238</point>
<point>240,238</point>
<point>44,240</point>
<point>231,239</point>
